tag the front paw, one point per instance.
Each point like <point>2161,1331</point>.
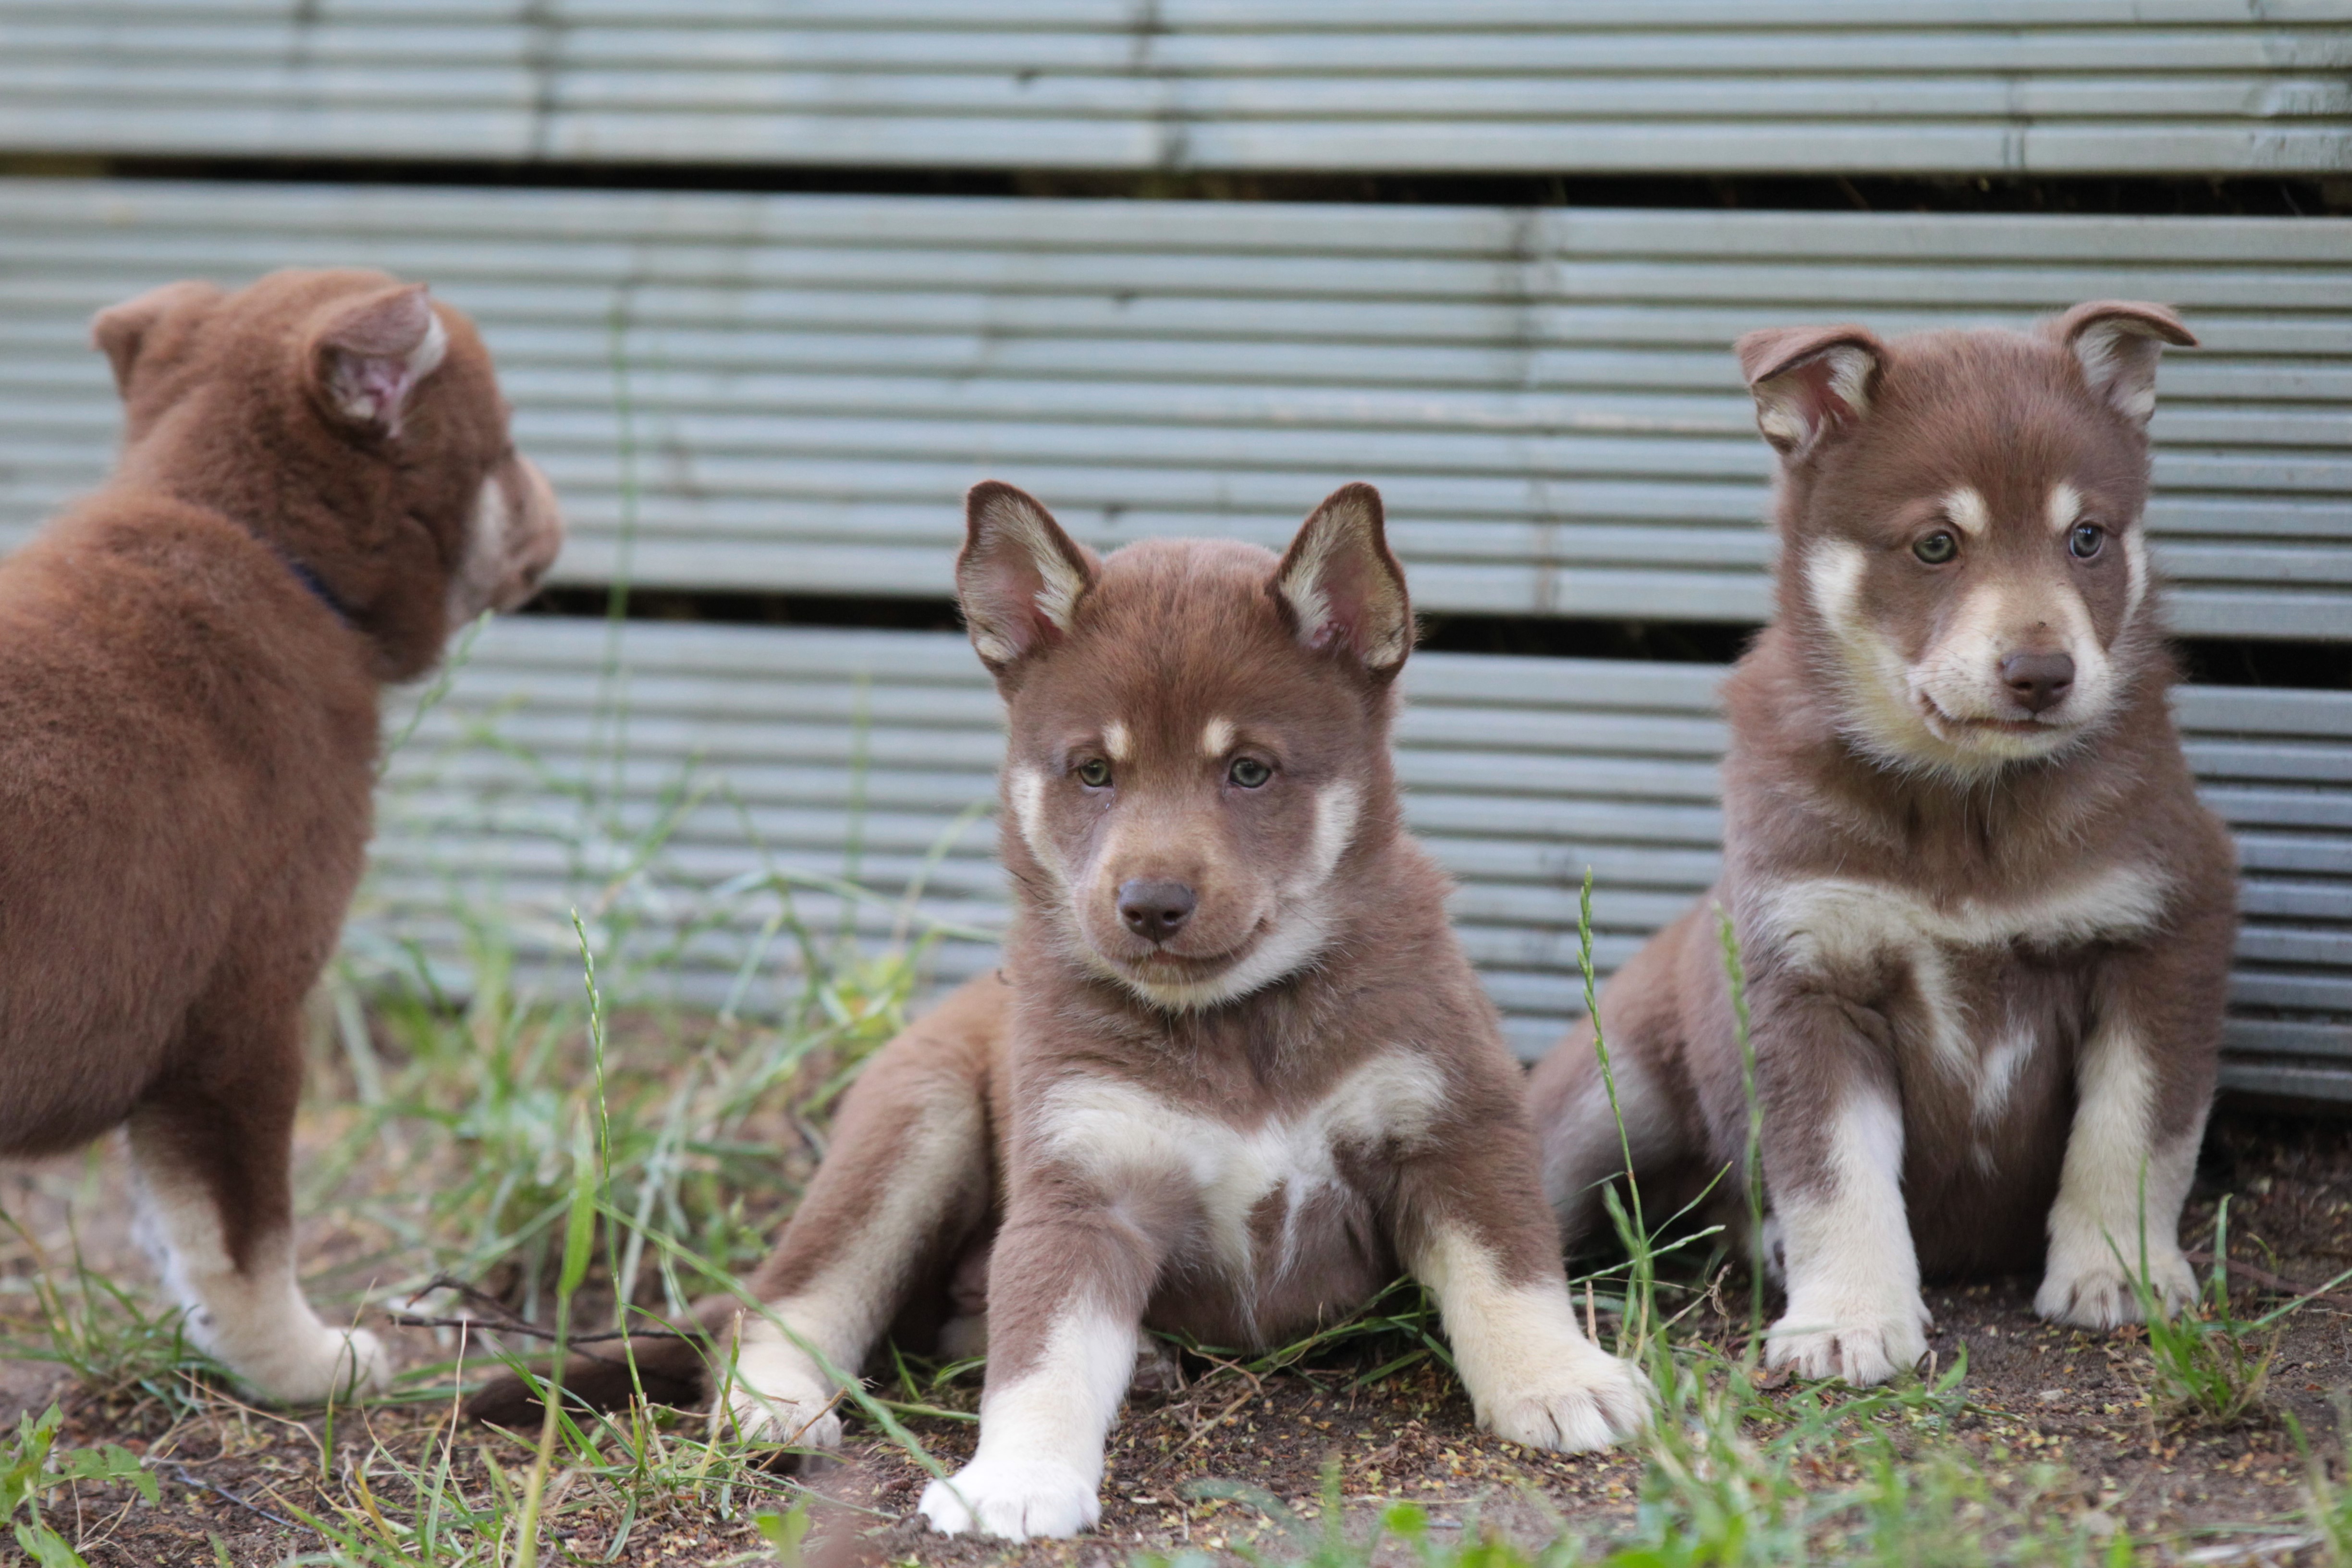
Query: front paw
<point>771,1401</point>
<point>1014,1500</point>
<point>1585,1399</point>
<point>1862,1341</point>
<point>326,1364</point>
<point>2092,1288</point>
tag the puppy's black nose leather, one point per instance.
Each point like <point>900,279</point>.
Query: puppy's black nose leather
<point>1155,908</point>
<point>2038,680</point>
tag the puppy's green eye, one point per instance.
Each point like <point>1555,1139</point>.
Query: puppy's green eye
<point>1249,773</point>
<point>1936,548</point>
<point>1094,773</point>
<point>2086,539</point>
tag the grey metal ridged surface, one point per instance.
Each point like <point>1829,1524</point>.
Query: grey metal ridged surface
<point>790,392</point>
<point>1943,86</point>
<point>776,748</point>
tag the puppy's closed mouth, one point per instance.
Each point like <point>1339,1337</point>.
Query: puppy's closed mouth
<point>1160,964</point>
<point>2043,727</point>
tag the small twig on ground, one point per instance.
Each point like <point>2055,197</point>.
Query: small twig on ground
<point>2267,1550</point>
<point>1256,1389</point>
<point>504,1320</point>
<point>2278,1282</point>
<point>188,1477</point>
<point>532,1331</point>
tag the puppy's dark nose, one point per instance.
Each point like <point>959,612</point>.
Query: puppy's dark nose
<point>1155,908</point>
<point>2038,680</point>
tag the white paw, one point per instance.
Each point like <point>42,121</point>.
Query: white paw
<point>1015,1499</point>
<point>795,1423</point>
<point>325,1363</point>
<point>1586,1399</point>
<point>2093,1289</point>
<point>771,1400</point>
<point>1861,1341</point>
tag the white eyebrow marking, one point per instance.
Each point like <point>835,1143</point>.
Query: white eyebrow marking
<point>1968,511</point>
<point>2065,506</point>
<point>1217,739</point>
<point>1115,740</point>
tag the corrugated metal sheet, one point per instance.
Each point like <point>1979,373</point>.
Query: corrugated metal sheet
<point>1774,86</point>
<point>837,754</point>
<point>791,392</point>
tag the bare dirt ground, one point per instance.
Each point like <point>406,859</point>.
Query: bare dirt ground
<point>236,1482</point>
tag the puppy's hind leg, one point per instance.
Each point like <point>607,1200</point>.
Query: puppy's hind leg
<point>1583,1135</point>
<point>212,1164</point>
<point>903,1187</point>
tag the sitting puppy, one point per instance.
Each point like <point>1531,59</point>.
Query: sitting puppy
<point>315,486</point>
<point>1986,924</point>
<point>1239,1069</point>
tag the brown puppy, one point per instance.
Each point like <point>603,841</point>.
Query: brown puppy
<point>1987,924</point>
<point>315,486</point>
<point>1242,1071</point>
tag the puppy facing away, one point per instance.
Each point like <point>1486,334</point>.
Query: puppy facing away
<point>315,486</point>
<point>1987,924</point>
<point>1236,1070</point>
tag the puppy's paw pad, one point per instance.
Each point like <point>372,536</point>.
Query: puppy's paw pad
<point>1013,1500</point>
<point>1863,1349</point>
<point>2096,1292</point>
<point>1591,1401</point>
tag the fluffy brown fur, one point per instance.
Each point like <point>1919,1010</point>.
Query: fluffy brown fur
<point>315,485</point>
<point>1987,924</point>
<point>1237,1072</point>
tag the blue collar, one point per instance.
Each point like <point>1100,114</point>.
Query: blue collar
<point>318,586</point>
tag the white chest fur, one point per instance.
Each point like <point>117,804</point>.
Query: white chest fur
<point>1827,923</point>
<point>1119,1134</point>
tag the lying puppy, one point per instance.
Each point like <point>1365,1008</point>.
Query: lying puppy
<point>1987,925</point>
<point>1241,1070</point>
<point>315,486</point>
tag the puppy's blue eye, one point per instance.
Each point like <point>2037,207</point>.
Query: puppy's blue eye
<point>1936,548</point>
<point>1249,773</point>
<point>1094,773</point>
<point>2086,539</point>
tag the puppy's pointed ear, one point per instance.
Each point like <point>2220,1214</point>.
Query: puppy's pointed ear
<point>1343,588</point>
<point>1019,578</point>
<point>2117,343</point>
<point>369,354</point>
<point>122,332</point>
<point>1810,381</point>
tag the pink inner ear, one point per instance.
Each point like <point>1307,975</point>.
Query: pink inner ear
<point>1343,591</point>
<point>1014,587</point>
<point>378,350</point>
<point>1817,397</point>
<point>1347,605</point>
<point>1017,577</point>
<point>381,384</point>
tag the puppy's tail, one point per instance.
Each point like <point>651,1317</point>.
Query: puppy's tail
<point>669,1368</point>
